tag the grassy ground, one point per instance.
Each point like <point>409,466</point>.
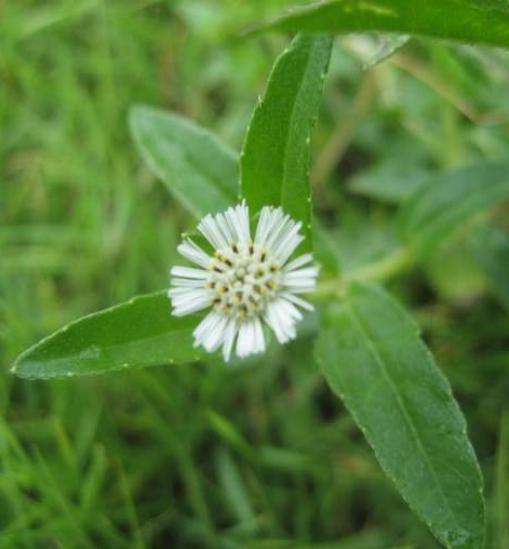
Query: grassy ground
<point>195,456</point>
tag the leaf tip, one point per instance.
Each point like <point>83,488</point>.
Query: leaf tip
<point>18,371</point>
<point>16,368</point>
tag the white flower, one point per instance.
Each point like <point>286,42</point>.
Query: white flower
<point>246,281</point>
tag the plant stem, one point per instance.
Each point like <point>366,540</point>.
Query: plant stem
<point>382,269</point>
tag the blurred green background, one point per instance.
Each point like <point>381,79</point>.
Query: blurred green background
<point>195,455</point>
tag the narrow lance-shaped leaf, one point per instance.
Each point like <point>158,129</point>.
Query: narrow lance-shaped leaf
<point>276,154</point>
<point>446,201</point>
<point>373,358</point>
<point>138,333</point>
<point>470,21</point>
<point>197,168</point>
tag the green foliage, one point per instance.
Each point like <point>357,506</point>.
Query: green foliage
<point>500,5</point>
<point>491,248</point>
<point>391,182</point>
<point>276,154</point>
<point>501,538</point>
<point>446,201</point>
<point>262,453</point>
<point>196,167</point>
<point>463,20</point>
<point>134,334</point>
<point>373,358</point>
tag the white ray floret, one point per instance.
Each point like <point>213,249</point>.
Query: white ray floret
<point>245,282</point>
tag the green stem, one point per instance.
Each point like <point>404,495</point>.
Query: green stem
<point>382,269</point>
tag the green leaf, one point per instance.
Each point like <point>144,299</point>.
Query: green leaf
<point>138,333</point>
<point>491,248</point>
<point>390,182</point>
<point>470,21</point>
<point>446,201</point>
<point>275,159</point>
<point>373,358</point>
<point>395,175</point>
<point>198,169</point>
<point>501,5</point>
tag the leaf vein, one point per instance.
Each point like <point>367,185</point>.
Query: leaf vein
<point>380,361</point>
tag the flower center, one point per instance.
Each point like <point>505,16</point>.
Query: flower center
<point>244,279</point>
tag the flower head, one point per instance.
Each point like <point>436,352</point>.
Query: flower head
<point>245,282</point>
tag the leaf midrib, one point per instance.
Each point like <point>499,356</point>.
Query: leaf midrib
<point>371,345</point>
<point>76,357</point>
